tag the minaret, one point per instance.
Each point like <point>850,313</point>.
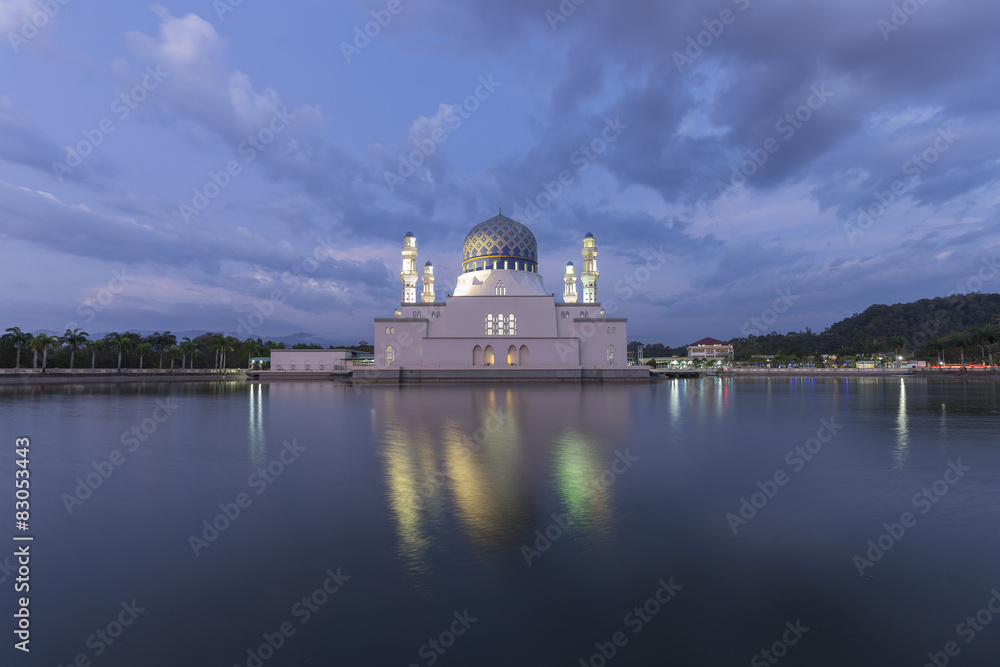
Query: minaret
<point>409,273</point>
<point>569,296</point>
<point>590,272</point>
<point>427,296</point>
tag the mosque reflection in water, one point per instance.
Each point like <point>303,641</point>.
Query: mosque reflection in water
<point>495,463</point>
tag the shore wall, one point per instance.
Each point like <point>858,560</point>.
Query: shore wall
<point>32,376</point>
<point>572,374</point>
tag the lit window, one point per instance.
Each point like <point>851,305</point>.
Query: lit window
<point>390,355</point>
<point>511,325</point>
<point>611,355</point>
<point>490,326</point>
<point>501,290</point>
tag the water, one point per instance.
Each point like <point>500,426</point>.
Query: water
<point>429,507</point>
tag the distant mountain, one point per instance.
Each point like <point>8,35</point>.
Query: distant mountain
<point>908,326</point>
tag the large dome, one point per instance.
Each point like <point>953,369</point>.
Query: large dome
<point>502,239</point>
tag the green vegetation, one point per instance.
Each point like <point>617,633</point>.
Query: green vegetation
<point>959,329</point>
<point>940,330</point>
<point>130,350</point>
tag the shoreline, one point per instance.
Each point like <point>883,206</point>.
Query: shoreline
<point>949,374</point>
<point>29,376</point>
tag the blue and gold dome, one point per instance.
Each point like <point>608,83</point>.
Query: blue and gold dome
<point>500,243</point>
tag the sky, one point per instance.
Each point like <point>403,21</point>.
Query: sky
<point>252,167</point>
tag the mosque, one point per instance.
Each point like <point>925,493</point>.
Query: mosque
<point>499,321</point>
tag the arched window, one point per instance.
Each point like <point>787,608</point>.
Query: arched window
<point>490,325</point>
<point>511,325</point>
<point>501,325</point>
<point>614,329</point>
<point>390,355</point>
<point>611,355</point>
<point>501,290</point>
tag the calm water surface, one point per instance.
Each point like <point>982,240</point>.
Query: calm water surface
<point>510,525</point>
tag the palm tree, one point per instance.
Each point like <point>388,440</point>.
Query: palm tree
<point>20,339</point>
<point>961,341</point>
<point>74,338</point>
<point>95,346</point>
<point>231,343</point>
<point>172,353</point>
<point>990,334</point>
<point>939,345</point>
<point>43,342</point>
<point>162,342</point>
<point>188,347</point>
<point>120,343</point>
<point>142,350</point>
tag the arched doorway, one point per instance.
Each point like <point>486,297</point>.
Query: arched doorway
<point>477,356</point>
<point>488,355</point>
<point>523,356</point>
<point>512,355</point>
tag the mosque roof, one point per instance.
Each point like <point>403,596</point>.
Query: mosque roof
<point>500,236</point>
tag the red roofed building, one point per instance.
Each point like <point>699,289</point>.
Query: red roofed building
<point>710,348</point>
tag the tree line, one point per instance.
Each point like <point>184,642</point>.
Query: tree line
<point>950,329</point>
<point>75,349</point>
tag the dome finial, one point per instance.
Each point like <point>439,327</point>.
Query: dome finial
<point>500,207</point>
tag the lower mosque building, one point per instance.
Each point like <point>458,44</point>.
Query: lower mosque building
<point>500,323</point>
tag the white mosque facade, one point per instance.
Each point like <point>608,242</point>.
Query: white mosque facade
<point>500,316</point>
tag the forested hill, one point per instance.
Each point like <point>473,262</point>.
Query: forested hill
<point>901,326</point>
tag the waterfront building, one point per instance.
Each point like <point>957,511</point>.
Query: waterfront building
<point>710,348</point>
<point>499,315</point>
